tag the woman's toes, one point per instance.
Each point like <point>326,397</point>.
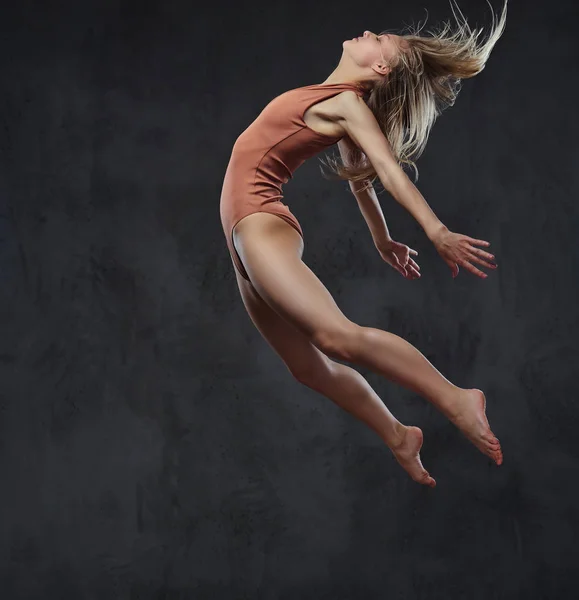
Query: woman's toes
<point>427,479</point>
<point>491,439</point>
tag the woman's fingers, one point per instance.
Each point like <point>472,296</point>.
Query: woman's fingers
<point>473,254</point>
<point>482,253</point>
<point>459,250</point>
<point>414,272</point>
<point>473,241</point>
<point>464,263</point>
<point>481,261</point>
<point>413,268</point>
<point>414,264</point>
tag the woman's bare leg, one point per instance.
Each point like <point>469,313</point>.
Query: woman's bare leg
<point>340,383</point>
<point>271,253</point>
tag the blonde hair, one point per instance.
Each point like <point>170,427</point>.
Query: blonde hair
<point>424,81</point>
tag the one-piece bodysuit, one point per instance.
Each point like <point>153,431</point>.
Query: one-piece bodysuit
<point>266,155</point>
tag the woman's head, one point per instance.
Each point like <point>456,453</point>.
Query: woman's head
<point>372,56</point>
<point>410,79</point>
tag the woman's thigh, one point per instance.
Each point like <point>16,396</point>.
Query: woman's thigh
<point>304,361</point>
<point>271,251</point>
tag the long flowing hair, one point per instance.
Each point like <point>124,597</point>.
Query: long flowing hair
<point>425,80</point>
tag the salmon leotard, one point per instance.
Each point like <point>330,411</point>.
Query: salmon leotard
<point>267,153</point>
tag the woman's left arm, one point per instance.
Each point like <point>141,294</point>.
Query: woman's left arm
<point>394,253</point>
<point>366,198</point>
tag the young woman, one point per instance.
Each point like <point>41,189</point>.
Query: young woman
<point>378,104</point>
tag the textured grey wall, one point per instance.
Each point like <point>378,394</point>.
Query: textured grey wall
<point>152,444</point>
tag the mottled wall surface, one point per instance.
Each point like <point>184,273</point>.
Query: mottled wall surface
<point>152,444</point>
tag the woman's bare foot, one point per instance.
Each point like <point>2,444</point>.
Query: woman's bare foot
<point>471,419</point>
<point>407,454</point>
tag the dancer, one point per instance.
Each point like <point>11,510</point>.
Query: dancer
<point>379,105</point>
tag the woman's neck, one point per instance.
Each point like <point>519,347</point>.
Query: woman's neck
<point>338,76</point>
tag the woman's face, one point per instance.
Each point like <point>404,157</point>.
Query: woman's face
<point>371,48</point>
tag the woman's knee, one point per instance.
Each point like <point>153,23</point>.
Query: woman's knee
<point>340,341</point>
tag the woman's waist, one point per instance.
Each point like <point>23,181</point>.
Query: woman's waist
<point>254,196</point>
<point>243,184</point>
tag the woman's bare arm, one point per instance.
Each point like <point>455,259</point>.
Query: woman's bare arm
<point>361,127</point>
<point>366,197</point>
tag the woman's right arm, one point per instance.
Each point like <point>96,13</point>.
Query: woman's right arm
<point>361,127</point>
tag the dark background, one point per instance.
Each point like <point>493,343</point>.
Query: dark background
<point>153,446</point>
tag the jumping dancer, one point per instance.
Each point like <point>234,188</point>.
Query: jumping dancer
<point>379,105</point>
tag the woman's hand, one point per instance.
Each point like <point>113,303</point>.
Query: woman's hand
<point>398,255</point>
<point>457,249</point>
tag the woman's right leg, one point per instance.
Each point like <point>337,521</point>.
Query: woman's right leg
<point>270,250</point>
